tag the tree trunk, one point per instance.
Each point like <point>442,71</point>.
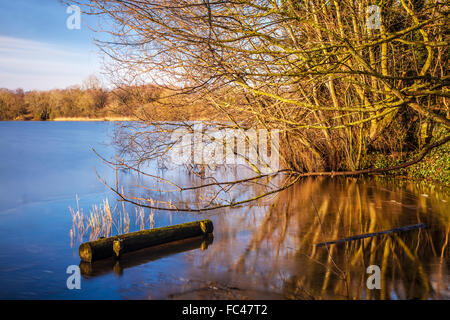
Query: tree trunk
<point>117,245</point>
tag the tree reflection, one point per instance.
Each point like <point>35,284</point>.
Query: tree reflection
<point>271,248</point>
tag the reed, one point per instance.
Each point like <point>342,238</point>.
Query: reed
<point>106,221</point>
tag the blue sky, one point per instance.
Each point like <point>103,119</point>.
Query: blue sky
<point>38,51</point>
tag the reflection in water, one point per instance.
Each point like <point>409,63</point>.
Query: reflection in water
<point>271,252</point>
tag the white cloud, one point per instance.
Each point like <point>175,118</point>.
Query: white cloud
<point>36,65</point>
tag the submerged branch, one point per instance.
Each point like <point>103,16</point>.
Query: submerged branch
<point>374,234</point>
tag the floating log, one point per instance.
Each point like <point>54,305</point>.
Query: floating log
<point>143,256</point>
<point>375,234</point>
<point>118,245</point>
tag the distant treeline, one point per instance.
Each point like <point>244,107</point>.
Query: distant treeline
<point>146,101</point>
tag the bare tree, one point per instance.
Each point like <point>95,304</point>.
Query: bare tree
<point>336,78</point>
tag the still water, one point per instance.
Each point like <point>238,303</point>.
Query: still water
<point>266,250</point>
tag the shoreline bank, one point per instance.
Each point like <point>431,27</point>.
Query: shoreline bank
<point>94,119</point>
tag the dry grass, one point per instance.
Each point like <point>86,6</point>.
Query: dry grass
<point>104,221</point>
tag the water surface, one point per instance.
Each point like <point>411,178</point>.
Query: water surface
<point>266,250</point>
